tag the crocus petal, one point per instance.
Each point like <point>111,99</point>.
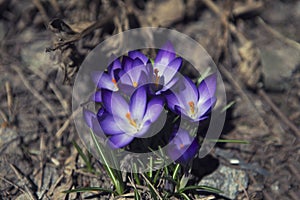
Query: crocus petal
<point>97,128</point>
<point>189,94</point>
<point>125,79</point>
<point>207,87</point>
<point>181,111</point>
<point>137,63</point>
<point>144,130</point>
<point>136,72</point>
<point>175,65</point>
<point>189,153</point>
<point>96,76</point>
<point>143,79</point>
<point>149,68</point>
<point>138,54</point>
<point>114,103</point>
<point>165,55</point>
<point>154,109</point>
<point>88,116</point>
<point>127,89</point>
<point>116,64</point>
<point>205,107</point>
<point>138,103</point>
<point>183,147</point>
<point>101,113</point>
<point>127,63</point>
<point>119,141</point>
<point>191,89</point>
<point>173,152</point>
<point>109,126</point>
<point>105,82</point>
<point>172,100</point>
<point>171,83</point>
<point>97,96</point>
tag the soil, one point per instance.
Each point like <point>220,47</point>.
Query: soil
<point>255,45</point>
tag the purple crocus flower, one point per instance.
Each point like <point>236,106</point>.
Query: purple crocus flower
<point>134,73</point>
<point>166,66</point>
<point>124,121</point>
<point>192,102</point>
<point>107,80</point>
<point>182,147</point>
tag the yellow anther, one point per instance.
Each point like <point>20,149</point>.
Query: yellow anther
<point>131,121</point>
<point>135,84</point>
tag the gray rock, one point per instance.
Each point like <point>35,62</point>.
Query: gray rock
<point>231,181</point>
<point>278,66</point>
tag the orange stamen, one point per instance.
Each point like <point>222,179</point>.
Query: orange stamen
<point>192,107</point>
<point>114,82</point>
<point>131,121</point>
<point>181,146</point>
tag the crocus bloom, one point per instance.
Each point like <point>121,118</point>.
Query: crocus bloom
<point>124,121</point>
<point>134,73</point>
<point>182,147</point>
<point>107,80</point>
<point>166,65</point>
<point>192,102</point>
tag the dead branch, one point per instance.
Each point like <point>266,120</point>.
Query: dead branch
<point>32,90</point>
<point>85,32</point>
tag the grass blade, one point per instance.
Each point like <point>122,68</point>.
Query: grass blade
<point>84,157</point>
<point>116,182</point>
<point>201,187</point>
<point>89,189</point>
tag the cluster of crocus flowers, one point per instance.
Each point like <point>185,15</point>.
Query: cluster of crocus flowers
<point>134,91</point>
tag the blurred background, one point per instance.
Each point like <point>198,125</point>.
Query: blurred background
<point>255,44</point>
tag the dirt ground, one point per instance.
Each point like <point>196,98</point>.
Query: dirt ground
<point>255,44</point>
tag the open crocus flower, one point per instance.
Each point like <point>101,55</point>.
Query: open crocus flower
<point>166,65</point>
<point>124,121</point>
<point>107,80</point>
<point>182,147</point>
<point>134,73</point>
<point>192,102</point>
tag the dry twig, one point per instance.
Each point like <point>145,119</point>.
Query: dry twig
<point>278,35</point>
<point>9,97</point>
<point>32,90</point>
<point>24,182</point>
<point>42,10</point>
<point>53,87</point>
<point>85,32</point>
<point>279,113</point>
<point>60,131</point>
